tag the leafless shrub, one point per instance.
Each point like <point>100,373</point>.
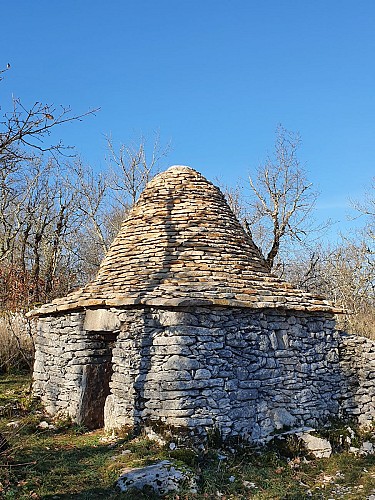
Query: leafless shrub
<point>16,342</point>
<point>345,275</point>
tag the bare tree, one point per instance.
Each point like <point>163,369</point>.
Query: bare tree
<point>366,208</point>
<point>344,274</point>
<point>36,220</point>
<point>37,212</point>
<point>92,190</point>
<point>94,206</point>
<point>281,198</point>
<point>235,198</point>
<point>57,219</point>
<point>132,168</point>
<point>105,197</point>
<point>24,130</point>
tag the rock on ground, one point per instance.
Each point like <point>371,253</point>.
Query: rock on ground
<point>319,447</point>
<point>162,477</point>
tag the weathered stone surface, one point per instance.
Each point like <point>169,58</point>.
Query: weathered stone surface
<point>319,447</point>
<point>179,242</point>
<point>282,418</point>
<point>101,320</point>
<point>160,478</point>
<point>367,448</point>
<point>358,385</point>
<point>226,378</point>
<point>210,366</point>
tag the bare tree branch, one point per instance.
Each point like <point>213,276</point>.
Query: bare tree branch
<point>366,209</point>
<point>132,168</point>
<point>281,198</point>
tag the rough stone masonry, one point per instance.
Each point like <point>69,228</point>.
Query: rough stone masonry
<point>185,328</point>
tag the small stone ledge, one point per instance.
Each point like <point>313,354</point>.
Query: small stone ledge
<point>60,305</point>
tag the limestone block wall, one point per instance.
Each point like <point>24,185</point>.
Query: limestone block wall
<point>244,372</point>
<point>70,368</point>
<point>357,361</point>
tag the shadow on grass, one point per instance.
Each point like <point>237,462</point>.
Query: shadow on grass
<point>99,493</point>
<point>66,467</point>
<point>14,385</point>
<point>62,470</point>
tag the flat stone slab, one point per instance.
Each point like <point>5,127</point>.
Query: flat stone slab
<point>319,447</point>
<point>101,320</point>
<point>162,477</point>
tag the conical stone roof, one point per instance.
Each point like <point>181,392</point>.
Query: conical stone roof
<point>182,245</point>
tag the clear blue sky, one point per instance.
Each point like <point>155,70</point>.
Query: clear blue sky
<point>214,77</point>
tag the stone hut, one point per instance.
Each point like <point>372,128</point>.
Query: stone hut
<point>184,327</point>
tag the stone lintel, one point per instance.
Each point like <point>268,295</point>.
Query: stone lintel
<point>101,320</point>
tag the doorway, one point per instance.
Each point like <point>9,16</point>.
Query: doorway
<point>96,376</point>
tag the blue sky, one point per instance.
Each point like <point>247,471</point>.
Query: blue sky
<point>214,77</point>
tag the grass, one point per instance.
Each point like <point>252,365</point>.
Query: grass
<point>66,462</point>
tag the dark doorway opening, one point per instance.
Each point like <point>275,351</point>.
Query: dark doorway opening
<point>97,374</point>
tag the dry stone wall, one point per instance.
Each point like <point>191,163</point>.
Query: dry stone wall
<point>357,364</point>
<point>245,372</point>
<point>72,368</point>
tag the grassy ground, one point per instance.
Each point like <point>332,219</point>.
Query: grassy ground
<point>65,462</point>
